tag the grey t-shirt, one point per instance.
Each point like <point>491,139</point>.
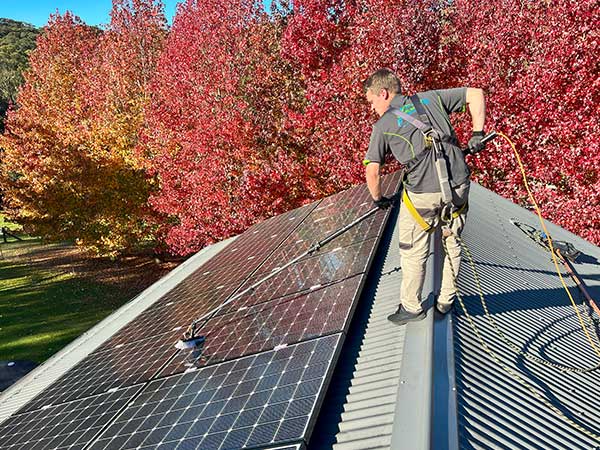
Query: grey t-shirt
<point>392,133</point>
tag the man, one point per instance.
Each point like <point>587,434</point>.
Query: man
<point>397,132</point>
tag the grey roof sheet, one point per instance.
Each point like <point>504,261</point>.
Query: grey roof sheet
<point>529,305</point>
<point>375,400</point>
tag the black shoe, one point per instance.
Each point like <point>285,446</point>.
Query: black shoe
<point>444,308</point>
<point>402,316</point>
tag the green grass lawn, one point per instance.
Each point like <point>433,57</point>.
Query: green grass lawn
<point>9,225</point>
<point>45,305</point>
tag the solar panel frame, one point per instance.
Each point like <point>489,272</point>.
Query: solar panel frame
<point>287,447</point>
<point>251,402</point>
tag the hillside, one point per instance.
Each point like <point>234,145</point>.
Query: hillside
<point>17,39</point>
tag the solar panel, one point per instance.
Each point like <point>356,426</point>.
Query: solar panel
<point>252,402</point>
<point>122,365</point>
<point>266,357</point>
<point>332,214</point>
<point>321,269</point>
<point>69,425</point>
<point>234,263</point>
<point>264,326</point>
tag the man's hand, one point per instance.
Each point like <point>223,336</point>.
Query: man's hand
<point>384,202</point>
<point>475,145</point>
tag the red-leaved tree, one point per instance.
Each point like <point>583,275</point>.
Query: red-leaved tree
<point>337,45</point>
<point>216,138</point>
<point>537,63</point>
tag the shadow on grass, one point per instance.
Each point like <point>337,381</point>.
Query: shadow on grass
<point>39,319</point>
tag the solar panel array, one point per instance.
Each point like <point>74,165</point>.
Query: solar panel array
<point>266,360</point>
<point>250,402</point>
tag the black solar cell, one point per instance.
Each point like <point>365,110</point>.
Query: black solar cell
<point>254,401</point>
<point>263,326</point>
<point>69,425</point>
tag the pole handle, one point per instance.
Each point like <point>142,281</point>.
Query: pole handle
<point>490,136</point>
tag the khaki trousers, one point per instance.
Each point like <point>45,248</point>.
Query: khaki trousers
<point>414,247</point>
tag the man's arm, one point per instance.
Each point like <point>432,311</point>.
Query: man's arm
<point>476,103</point>
<point>373,180</point>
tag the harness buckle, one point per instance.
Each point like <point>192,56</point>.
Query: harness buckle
<point>446,215</point>
<point>430,139</point>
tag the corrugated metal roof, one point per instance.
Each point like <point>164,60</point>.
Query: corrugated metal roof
<point>363,399</point>
<point>368,406</point>
<point>37,380</point>
<point>529,305</point>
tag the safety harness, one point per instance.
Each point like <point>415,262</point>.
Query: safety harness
<point>428,227</point>
<point>433,142</point>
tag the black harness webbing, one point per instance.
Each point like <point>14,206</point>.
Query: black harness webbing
<point>433,139</point>
<point>416,101</point>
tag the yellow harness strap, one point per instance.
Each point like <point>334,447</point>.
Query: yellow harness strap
<point>427,227</point>
<point>413,212</point>
<point>459,211</point>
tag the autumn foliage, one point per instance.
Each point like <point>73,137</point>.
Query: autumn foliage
<point>44,161</point>
<point>537,64</point>
<point>127,135</point>
<point>337,45</point>
<point>216,135</point>
<point>69,166</point>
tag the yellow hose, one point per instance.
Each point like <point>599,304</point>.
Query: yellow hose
<point>539,214</point>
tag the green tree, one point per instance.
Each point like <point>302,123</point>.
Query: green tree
<point>17,40</point>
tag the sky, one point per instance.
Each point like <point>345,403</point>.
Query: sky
<point>92,12</point>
